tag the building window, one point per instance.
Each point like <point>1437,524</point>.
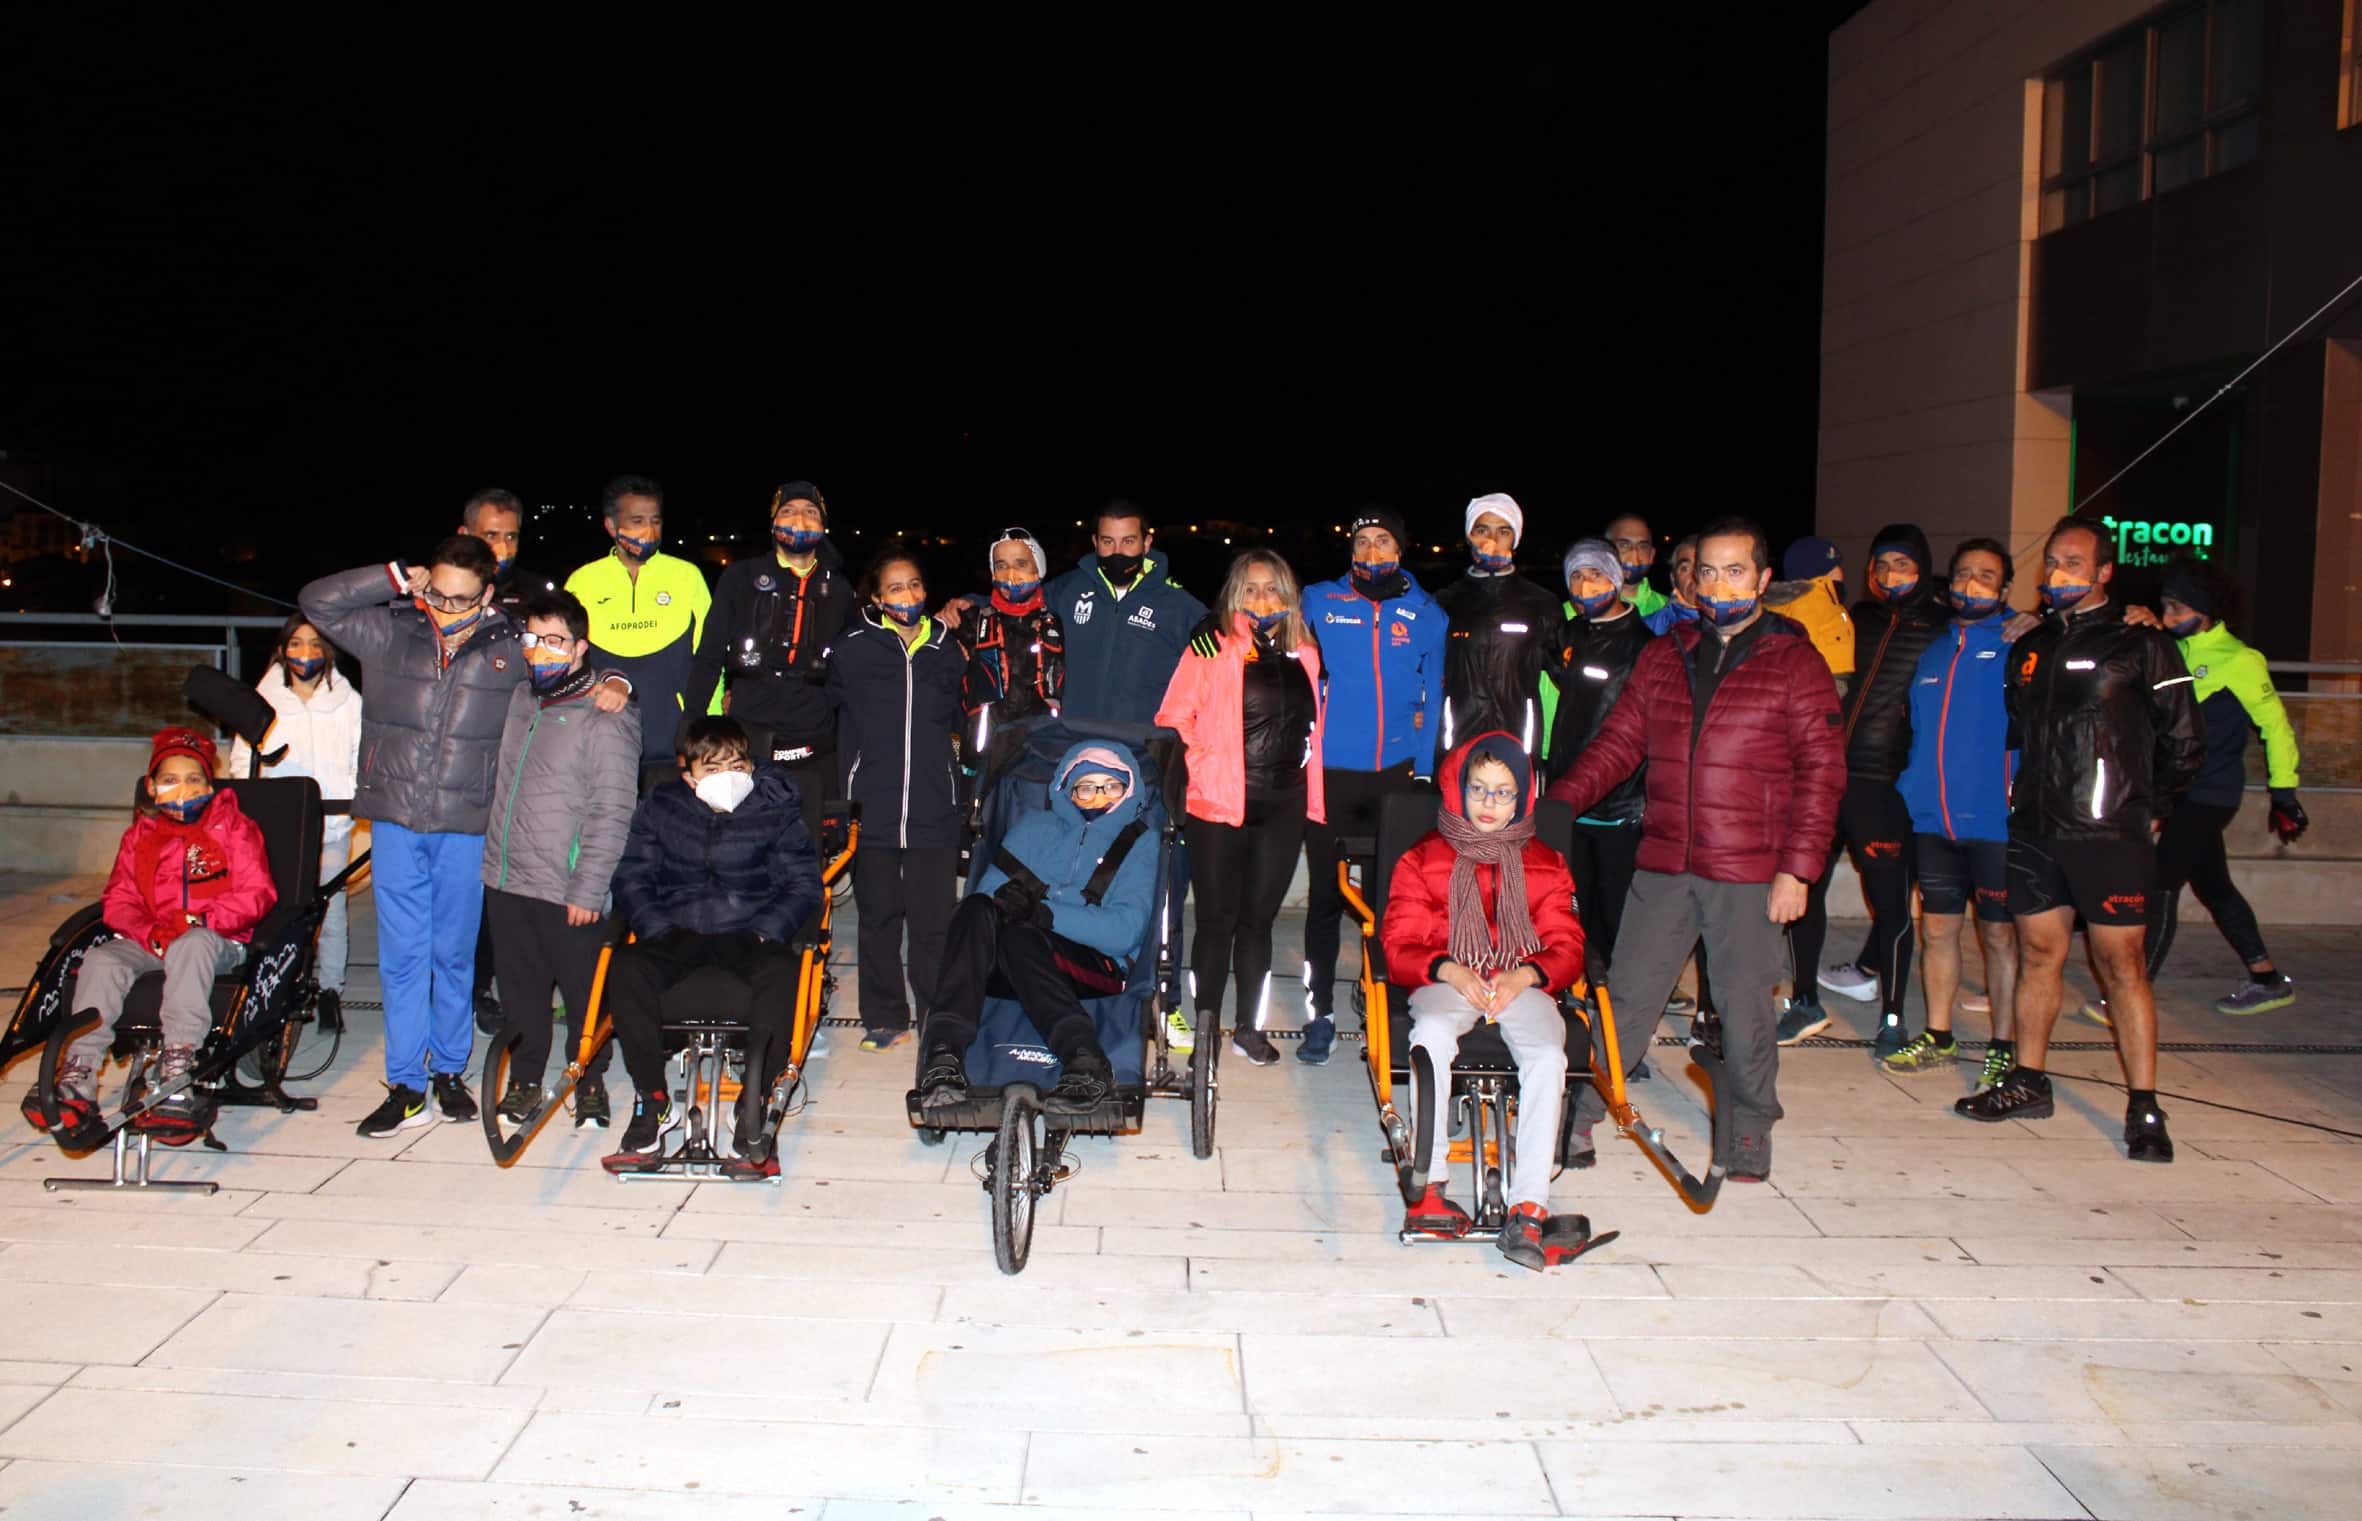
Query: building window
<point>2151,109</point>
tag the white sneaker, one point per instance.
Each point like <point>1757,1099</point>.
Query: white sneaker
<point>1973,1003</point>
<point>1849,981</point>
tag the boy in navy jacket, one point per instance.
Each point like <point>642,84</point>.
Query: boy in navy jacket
<point>718,871</point>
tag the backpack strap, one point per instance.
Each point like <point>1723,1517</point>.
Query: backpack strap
<point>1018,871</point>
<point>1103,877</point>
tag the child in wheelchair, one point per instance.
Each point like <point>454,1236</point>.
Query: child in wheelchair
<point>1056,918</point>
<point>190,882</point>
<point>1480,925</point>
<point>718,871</point>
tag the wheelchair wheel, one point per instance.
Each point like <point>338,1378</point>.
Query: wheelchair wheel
<point>1414,1181</point>
<point>499,1058</point>
<point>931,1136</point>
<point>1204,1062</point>
<point>1016,1158</point>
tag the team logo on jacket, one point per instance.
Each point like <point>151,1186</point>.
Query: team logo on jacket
<point>1082,610</point>
<point>1143,616</point>
<point>1339,618</point>
<point>500,662</point>
<point>1396,634</point>
<point>664,599</point>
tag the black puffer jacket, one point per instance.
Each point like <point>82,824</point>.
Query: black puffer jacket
<point>2105,719</point>
<point>688,866</point>
<point>1275,722</point>
<point>1504,634</point>
<point>1598,659</point>
<point>1889,638</point>
<point>769,635</point>
<point>430,734</point>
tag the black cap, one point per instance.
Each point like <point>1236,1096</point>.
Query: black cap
<point>804,490</point>
<point>1379,517</point>
<point>2189,586</point>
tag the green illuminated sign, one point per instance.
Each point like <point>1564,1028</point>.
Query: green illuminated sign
<point>2154,542</point>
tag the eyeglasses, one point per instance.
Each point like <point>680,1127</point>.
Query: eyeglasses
<point>556,644</point>
<point>1096,789</point>
<point>1493,794</point>
<point>441,603</point>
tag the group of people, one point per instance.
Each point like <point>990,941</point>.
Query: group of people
<point>544,767</point>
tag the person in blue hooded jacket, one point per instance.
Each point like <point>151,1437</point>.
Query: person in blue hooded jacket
<point>1382,639</point>
<point>1058,917</point>
<point>1956,785</point>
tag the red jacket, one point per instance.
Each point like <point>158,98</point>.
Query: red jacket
<point>232,889</point>
<point>1756,792</point>
<point>1416,931</point>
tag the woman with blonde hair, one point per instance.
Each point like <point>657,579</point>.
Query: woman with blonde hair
<point>1246,701</point>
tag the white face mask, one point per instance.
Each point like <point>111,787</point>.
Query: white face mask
<point>723,791</point>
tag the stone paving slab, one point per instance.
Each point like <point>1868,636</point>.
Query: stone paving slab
<point>1916,1318</point>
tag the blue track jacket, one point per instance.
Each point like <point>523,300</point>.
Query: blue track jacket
<point>1384,664</point>
<point>1956,783</point>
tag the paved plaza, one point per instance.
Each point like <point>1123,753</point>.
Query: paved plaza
<point>1918,1317</point>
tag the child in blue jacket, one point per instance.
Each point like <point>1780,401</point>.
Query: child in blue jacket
<point>1057,918</point>
<point>1956,785</point>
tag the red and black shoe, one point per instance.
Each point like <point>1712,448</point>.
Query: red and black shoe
<point>1533,1239</point>
<point>183,1116</point>
<point>1436,1216</point>
<point>79,1127</point>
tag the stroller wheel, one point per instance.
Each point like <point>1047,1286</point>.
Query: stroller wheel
<point>1204,1062</point>
<point>1015,1161</point>
<point>930,1136</point>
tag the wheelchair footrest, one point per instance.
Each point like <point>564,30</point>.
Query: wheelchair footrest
<point>1118,1114</point>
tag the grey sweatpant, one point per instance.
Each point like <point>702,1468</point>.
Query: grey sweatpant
<point>189,966</point>
<point>1663,917</point>
<point>1535,1033</point>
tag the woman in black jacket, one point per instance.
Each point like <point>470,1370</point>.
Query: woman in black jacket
<point>895,679</point>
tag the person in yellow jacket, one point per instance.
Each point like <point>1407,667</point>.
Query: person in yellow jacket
<point>647,612</point>
<point>1811,590</point>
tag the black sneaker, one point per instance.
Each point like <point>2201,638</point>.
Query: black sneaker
<point>517,1105</point>
<point>2023,1095</point>
<point>592,1111</point>
<point>1082,1084</point>
<point>944,1085</point>
<point>2145,1139</point>
<point>1892,1037</point>
<point>1705,1036</point>
<point>403,1109</point>
<point>452,1097</point>
<point>1800,1022</point>
<point>1249,1042</point>
<point>487,1013</point>
<point>652,1116</point>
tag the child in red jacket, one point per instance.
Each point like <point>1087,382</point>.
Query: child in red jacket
<point>1480,924</point>
<point>191,880</point>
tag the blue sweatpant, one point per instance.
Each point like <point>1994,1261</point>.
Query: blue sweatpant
<point>430,897</point>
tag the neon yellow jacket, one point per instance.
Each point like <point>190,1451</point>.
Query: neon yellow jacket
<point>2234,690</point>
<point>648,629</point>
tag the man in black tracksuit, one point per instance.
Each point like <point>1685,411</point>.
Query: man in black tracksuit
<point>1601,644</point>
<point>2104,717</point>
<point>776,616</point>
<point>1904,613</point>
<point>1504,633</point>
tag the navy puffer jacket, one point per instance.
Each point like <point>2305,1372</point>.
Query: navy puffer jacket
<point>689,866</point>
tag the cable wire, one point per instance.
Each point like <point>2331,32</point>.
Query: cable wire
<point>95,537</point>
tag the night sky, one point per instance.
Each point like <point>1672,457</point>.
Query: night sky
<point>278,302</point>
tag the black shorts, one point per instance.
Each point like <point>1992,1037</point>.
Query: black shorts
<point>2108,882</point>
<point>1953,871</point>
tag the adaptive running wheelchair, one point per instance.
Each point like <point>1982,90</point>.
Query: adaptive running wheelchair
<point>705,1014</point>
<point>1482,1085</point>
<point>259,1009</point>
<point>1009,1066</point>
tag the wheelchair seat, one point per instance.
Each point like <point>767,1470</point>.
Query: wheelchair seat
<point>709,1000</point>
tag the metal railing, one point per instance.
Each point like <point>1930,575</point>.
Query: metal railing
<point>224,649</point>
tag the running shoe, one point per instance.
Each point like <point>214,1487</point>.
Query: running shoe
<point>2258,997</point>
<point>1891,1037</point>
<point>2023,1094</point>
<point>1973,1003</point>
<point>1436,1215</point>
<point>1751,1159</point>
<point>652,1116</point>
<point>1250,1043</point>
<point>944,1085</point>
<point>1681,1006</point>
<point>1178,1034</point>
<point>1082,1084</point>
<point>2145,1139</point>
<point>1923,1054</point>
<point>452,1097</point>
<point>1320,1035</point>
<point>404,1109</point>
<point>592,1110</point>
<point>517,1105</point>
<point>1998,1061</point>
<point>1849,981</point>
<point>2096,1010</point>
<point>1800,1022</point>
<point>884,1040</point>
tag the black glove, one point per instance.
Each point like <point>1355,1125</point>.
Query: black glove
<point>1041,917</point>
<point>2288,815</point>
<point>1017,900</point>
<point>1205,641</point>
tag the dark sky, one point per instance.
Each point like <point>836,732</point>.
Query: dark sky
<point>288,298</point>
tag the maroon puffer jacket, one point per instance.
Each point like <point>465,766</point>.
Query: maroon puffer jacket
<point>1757,793</point>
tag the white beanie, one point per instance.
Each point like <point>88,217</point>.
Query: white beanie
<point>1501,504</point>
<point>1041,564</point>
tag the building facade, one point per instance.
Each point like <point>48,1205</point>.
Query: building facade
<point>2056,229</point>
